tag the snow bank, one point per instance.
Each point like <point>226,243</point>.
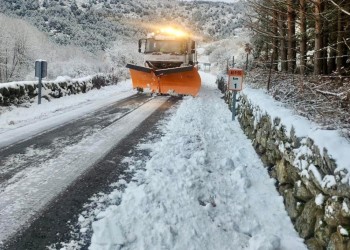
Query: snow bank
<point>337,146</point>
<point>18,123</point>
<point>26,91</point>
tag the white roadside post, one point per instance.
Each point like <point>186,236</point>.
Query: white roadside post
<point>235,83</point>
<point>40,72</point>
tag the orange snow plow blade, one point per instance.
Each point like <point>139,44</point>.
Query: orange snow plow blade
<point>182,80</point>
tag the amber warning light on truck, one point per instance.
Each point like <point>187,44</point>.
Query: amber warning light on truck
<point>235,79</point>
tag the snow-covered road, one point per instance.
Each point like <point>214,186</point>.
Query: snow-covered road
<point>203,188</point>
<point>22,200</point>
<point>43,172</point>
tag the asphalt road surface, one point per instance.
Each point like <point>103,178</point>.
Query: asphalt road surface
<point>45,219</point>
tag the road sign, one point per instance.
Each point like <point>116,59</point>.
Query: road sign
<point>40,72</point>
<point>235,83</point>
<point>235,79</point>
<point>40,69</point>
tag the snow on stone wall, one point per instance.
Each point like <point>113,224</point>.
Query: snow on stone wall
<point>15,93</point>
<point>316,196</point>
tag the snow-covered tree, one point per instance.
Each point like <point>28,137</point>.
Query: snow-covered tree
<point>14,54</point>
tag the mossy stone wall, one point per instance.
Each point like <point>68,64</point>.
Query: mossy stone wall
<point>319,211</point>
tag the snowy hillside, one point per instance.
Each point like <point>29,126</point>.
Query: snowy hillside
<point>81,38</point>
<point>94,24</point>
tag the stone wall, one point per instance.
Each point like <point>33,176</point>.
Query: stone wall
<point>22,92</point>
<point>315,199</point>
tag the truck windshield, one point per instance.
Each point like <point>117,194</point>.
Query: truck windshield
<point>165,46</point>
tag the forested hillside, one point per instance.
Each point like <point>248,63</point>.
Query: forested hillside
<point>94,23</point>
<point>97,35</point>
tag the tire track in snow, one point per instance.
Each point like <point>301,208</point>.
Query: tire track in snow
<point>36,151</point>
<point>21,203</point>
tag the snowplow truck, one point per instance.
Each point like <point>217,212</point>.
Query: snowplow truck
<point>170,61</point>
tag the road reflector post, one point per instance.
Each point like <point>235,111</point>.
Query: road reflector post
<point>235,83</point>
<point>40,72</point>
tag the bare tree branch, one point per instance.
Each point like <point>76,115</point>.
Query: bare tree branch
<point>340,8</point>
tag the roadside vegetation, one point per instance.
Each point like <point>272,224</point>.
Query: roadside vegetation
<point>301,56</point>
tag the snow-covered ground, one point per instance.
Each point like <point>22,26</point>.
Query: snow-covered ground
<point>204,186</point>
<point>338,147</point>
<point>34,187</point>
<point>20,123</point>
<point>29,190</point>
